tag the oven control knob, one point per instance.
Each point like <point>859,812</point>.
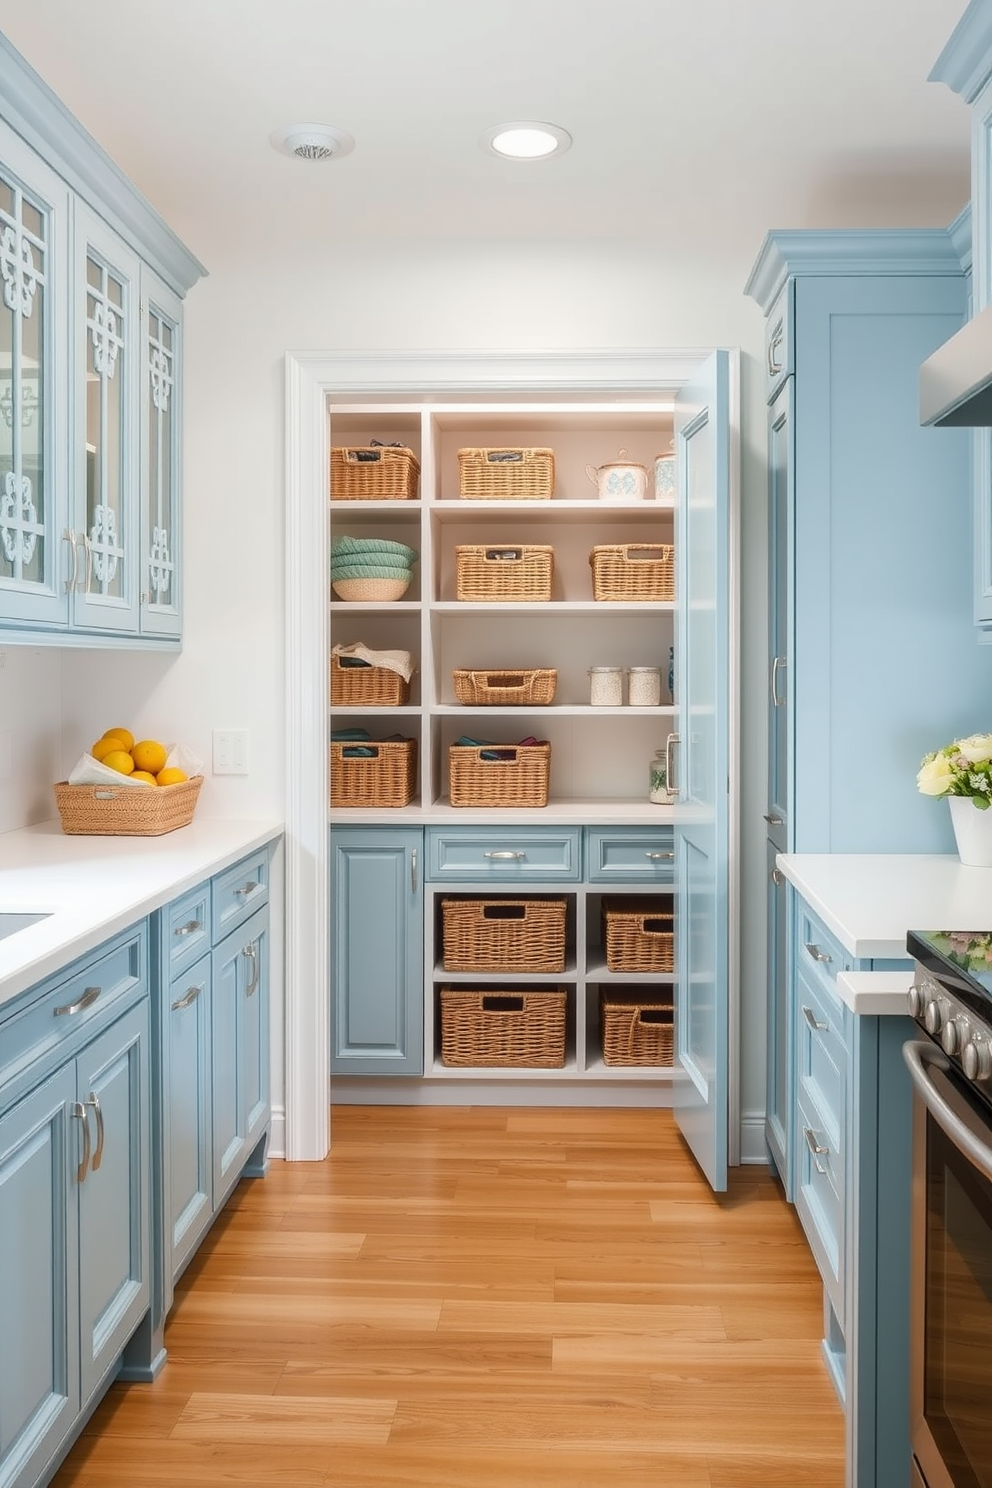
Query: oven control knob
<point>917,1001</point>
<point>976,1058</point>
<point>950,1036</point>
<point>933,1018</point>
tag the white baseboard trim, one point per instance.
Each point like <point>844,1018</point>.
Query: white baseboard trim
<point>353,1090</point>
<point>753,1149</point>
<point>277,1132</point>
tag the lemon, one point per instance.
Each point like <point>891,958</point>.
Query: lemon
<point>172,776</point>
<point>149,755</point>
<point>119,760</point>
<point>144,776</point>
<point>103,747</point>
<point>125,735</point>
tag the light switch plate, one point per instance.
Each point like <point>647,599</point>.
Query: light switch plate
<point>230,752</point>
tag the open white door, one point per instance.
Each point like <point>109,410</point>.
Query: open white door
<point>701,759</point>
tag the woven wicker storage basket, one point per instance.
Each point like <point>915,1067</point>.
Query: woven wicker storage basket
<point>373,473</point>
<point>503,934</point>
<point>387,778</point>
<point>535,686</point>
<point>126,810</point>
<point>519,778</point>
<point>506,474</point>
<point>636,1029</point>
<point>639,934</point>
<point>524,1029</point>
<point>504,573</point>
<point>632,571</point>
<point>370,686</point>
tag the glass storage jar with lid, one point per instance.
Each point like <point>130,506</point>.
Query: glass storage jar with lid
<point>658,791</point>
<point>606,686</point>
<point>644,686</point>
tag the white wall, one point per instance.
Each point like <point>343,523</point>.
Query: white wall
<point>270,298</point>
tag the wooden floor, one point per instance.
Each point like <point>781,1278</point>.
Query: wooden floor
<point>482,1298</point>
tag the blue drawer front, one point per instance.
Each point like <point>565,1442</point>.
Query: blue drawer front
<point>626,855</point>
<point>818,950</point>
<point>819,1199</point>
<point>238,892</point>
<point>513,855</point>
<point>186,929</point>
<point>823,1054</point>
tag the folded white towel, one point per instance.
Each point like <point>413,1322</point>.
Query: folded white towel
<point>393,661</point>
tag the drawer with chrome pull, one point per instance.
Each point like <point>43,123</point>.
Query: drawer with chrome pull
<point>821,1052</point>
<point>238,892</point>
<point>186,928</point>
<point>817,949</point>
<point>630,854</point>
<point>74,999</point>
<point>517,854</point>
<point>820,1198</point>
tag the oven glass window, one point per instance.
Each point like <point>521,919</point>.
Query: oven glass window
<point>958,1347</point>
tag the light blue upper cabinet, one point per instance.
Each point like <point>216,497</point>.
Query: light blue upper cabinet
<point>90,386</point>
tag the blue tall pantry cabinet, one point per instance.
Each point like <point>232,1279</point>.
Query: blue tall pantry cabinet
<point>872,655</point>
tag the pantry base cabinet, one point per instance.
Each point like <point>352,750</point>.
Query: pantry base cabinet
<point>75,1156</point>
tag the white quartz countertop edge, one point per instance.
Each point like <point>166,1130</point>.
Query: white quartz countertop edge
<point>878,994</point>
<point>91,888</point>
<point>870,901</point>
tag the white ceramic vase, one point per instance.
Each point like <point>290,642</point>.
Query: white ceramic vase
<point>972,831</point>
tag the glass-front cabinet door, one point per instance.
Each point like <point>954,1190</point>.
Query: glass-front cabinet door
<point>160,445</point>
<point>106,469</point>
<point>35,549</point>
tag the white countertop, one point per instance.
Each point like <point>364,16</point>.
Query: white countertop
<point>93,887</point>
<point>871,900</point>
<point>879,994</point>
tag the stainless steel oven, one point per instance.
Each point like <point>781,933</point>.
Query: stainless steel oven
<point>951,1296</point>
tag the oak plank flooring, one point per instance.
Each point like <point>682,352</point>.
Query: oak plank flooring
<point>486,1298</point>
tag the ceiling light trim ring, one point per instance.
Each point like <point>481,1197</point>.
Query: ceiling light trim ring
<point>559,140</point>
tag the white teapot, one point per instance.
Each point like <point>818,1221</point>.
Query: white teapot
<point>621,480</point>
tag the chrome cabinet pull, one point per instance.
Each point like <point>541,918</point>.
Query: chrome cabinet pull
<point>88,550</point>
<point>249,888</point>
<point>191,994</point>
<point>662,856</point>
<point>70,537</point>
<point>812,1021</point>
<point>190,928</point>
<point>816,953</point>
<point>88,998</point>
<point>413,870</point>
<point>505,855</point>
<point>816,1150</point>
<point>777,338</point>
<point>79,1112</point>
<point>777,876</point>
<point>94,1101</point>
<point>779,661</point>
<point>670,744</point>
<point>249,954</point>
<point>773,819</point>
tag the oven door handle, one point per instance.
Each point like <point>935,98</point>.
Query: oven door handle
<point>918,1056</point>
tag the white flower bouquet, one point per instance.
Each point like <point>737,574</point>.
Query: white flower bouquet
<point>962,768</point>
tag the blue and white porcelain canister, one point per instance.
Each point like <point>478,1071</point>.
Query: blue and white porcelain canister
<point>664,478</point>
<point>621,480</point>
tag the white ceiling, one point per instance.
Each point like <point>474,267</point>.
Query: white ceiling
<point>706,120</point>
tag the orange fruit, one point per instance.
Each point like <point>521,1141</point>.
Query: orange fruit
<point>119,760</point>
<point>125,735</point>
<point>149,755</point>
<point>171,776</point>
<point>145,776</point>
<point>103,747</point>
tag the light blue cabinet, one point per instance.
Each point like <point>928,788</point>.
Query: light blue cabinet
<point>75,1175</point>
<point>240,991</point>
<point>90,431</point>
<point>377,948</point>
<point>871,654</point>
<point>852,1171</point>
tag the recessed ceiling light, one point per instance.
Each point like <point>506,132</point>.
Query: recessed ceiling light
<point>312,142</point>
<point>526,141</point>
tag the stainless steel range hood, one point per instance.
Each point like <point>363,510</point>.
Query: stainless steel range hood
<point>956,381</point>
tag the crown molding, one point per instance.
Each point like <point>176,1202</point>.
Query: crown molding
<point>965,64</point>
<point>849,251</point>
<point>34,112</point>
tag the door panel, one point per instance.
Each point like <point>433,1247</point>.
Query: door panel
<point>702,778</point>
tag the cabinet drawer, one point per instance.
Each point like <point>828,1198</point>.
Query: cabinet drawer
<point>186,928</point>
<point>238,892</point>
<point>630,856</point>
<point>819,1200</point>
<point>73,1000</point>
<point>511,855</point>
<point>822,1052</point>
<point>779,342</point>
<point>817,950</point>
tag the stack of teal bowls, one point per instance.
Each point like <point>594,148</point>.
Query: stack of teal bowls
<point>371,568</point>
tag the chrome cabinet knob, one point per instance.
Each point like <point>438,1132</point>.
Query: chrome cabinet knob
<point>950,1036</point>
<point>976,1059</point>
<point>932,1018</point>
